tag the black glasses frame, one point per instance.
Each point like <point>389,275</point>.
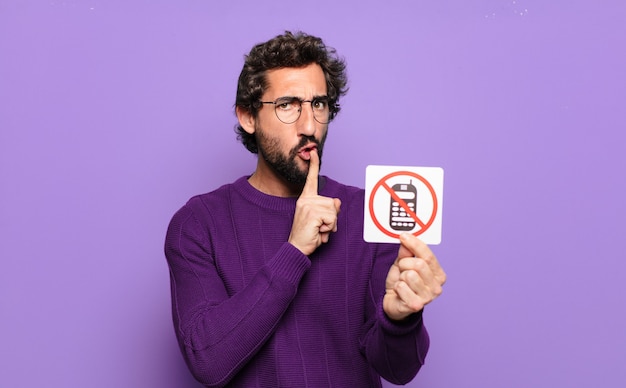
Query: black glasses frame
<point>332,108</point>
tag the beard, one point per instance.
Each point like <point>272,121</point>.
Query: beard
<point>286,166</point>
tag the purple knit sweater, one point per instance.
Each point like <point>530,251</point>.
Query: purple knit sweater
<point>250,310</point>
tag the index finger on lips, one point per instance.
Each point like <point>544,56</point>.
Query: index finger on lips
<point>310,186</point>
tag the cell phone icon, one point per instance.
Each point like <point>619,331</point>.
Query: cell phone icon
<point>399,218</point>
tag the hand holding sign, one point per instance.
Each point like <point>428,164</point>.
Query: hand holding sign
<point>414,280</point>
<point>316,216</point>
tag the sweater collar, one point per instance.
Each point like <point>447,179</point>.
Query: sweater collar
<point>288,204</point>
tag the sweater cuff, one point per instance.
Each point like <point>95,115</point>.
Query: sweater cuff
<point>399,328</point>
<point>289,263</point>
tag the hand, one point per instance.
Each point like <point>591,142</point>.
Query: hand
<point>316,216</point>
<point>414,280</point>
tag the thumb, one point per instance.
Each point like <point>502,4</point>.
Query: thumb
<point>404,251</point>
<point>337,204</point>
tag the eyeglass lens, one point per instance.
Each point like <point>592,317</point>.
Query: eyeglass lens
<point>288,109</point>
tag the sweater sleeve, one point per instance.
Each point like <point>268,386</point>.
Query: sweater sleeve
<point>396,350</point>
<point>219,333</point>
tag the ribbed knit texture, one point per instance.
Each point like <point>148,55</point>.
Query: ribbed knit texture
<point>250,310</point>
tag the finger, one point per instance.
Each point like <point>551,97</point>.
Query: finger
<point>414,264</point>
<point>310,186</point>
<point>403,252</point>
<point>412,246</point>
<point>415,246</point>
<point>408,297</point>
<point>414,280</point>
<point>426,287</point>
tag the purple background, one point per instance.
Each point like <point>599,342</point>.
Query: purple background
<point>113,113</point>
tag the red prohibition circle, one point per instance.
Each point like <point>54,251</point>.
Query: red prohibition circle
<point>378,186</point>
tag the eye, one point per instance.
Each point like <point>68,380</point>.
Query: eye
<point>320,104</point>
<point>286,104</point>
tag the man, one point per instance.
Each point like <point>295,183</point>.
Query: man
<point>272,283</point>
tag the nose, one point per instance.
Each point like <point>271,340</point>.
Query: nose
<point>306,123</point>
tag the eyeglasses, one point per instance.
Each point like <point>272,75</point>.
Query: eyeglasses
<point>288,109</point>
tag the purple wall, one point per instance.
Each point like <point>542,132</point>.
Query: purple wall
<point>113,113</point>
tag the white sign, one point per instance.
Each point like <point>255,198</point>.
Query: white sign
<point>403,200</point>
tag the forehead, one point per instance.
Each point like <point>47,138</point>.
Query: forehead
<point>304,82</point>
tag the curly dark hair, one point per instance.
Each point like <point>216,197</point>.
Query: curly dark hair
<point>286,50</point>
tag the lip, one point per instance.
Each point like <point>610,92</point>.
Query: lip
<point>305,152</point>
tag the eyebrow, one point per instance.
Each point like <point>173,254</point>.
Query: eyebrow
<point>319,97</point>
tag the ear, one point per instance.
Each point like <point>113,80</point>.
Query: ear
<point>246,120</point>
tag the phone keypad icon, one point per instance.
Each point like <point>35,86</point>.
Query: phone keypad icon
<point>399,217</point>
